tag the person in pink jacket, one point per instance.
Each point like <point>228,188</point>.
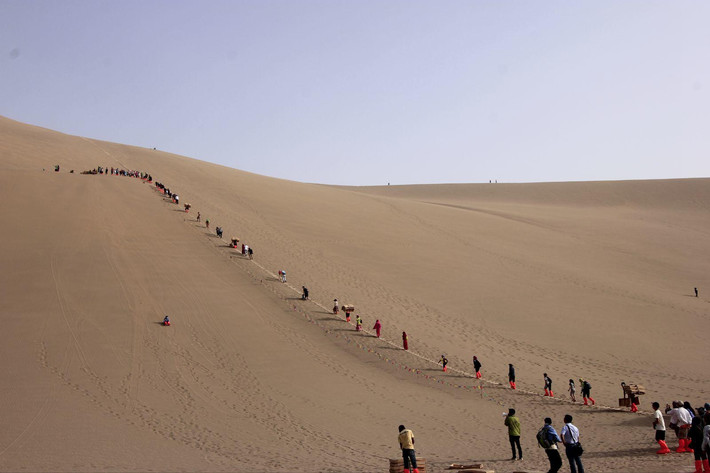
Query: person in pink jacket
<point>378,327</point>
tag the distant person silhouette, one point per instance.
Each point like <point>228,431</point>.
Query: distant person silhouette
<point>696,292</point>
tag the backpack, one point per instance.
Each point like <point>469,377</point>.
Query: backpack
<point>587,386</point>
<point>542,439</point>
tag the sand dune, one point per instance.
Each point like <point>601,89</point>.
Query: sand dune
<point>590,280</point>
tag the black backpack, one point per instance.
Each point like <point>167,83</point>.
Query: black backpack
<point>542,439</point>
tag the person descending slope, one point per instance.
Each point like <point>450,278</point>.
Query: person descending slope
<point>405,342</point>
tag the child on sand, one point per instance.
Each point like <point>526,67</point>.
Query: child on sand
<point>572,390</point>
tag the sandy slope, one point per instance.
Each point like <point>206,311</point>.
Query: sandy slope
<point>577,279</point>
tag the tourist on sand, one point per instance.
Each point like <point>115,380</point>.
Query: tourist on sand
<point>680,422</point>
<point>586,391</point>
<point>689,408</point>
<point>570,437</point>
<point>572,390</point>
<point>207,223</point>
<point>198,216</point>
<point>513,425</point>
<point>166,320</point>
<point>706,439</point>
<point>547,438</point>
<point>444,361</point>
<point>659,425</point>
<point>696,291</point>
<point>511,375</point>
<point>358,323</point>
<point>405,342</point>
<point>696,444</point>
<point>548,385</point>
<point>282,275</point>
<point>377,327</point>
<point>406,443</point>
<point>251,253</point>
<point>304,296</point>
<point>336,309</point>
<point>477,367</point>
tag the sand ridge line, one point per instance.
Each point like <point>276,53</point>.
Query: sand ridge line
<point>425,358</point>
<point>420,356</point>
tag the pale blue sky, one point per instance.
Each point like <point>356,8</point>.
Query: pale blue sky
<point>369,92</point>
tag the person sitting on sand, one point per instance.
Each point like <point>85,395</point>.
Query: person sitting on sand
<point>166,320</point>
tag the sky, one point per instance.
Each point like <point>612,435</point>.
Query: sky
<point>363,92</point>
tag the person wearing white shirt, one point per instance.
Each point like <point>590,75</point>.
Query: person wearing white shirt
<point>680,422</point>
<point>659,425</point>
<point>570,438</point>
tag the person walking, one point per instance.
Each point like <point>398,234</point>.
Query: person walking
<point>198,216</point>
<point>358,323</point>
<point>511,375</point>
<point>377,327</point>
<point>705,446</point>
<point>572,390</point>
<point>548,385</point>
<point>659,426</point>
<point>586,391</point>
<point>513,424</point>
<point>477,367</point>
<point>547,438</point>
<point>680,421</point>
<point>444,361</point>
<point>406,443</point>
<point>282,275</point>
<point>336,309</point>
<point>696,291</point>
<point>696,445</point>
<point>570,439</point>
<point>405,342</point>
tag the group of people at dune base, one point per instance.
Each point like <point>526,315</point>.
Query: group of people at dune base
<point>691,427</point>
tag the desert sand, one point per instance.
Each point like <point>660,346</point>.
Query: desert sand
<point>586,279</point>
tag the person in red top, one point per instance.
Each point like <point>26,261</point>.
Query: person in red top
<point>405,344</point>
<point>378,327</point>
